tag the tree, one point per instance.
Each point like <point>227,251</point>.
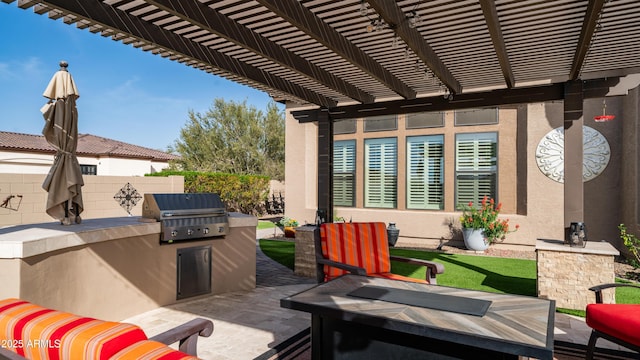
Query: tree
<point>233,138</point>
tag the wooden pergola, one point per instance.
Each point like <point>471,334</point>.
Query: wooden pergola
<point>347,58</point>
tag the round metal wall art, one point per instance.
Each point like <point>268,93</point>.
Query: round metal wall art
<point>550,154</point>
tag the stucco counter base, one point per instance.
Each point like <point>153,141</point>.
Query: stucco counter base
<point>114,268</point>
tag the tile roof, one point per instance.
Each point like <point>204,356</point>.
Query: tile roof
<point>88,145</point>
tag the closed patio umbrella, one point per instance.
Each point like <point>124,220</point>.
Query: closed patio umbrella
<point>64,181</point>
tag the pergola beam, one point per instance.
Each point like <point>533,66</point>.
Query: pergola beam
<point>438,103</point>
<point>305,20</point>
<point>573,154</point>
<point>110,17</point>
<point>595,88</point>
<point>206,18</point>
<point>589,27</point>
<point>495,31</point>
<point>392,14</point>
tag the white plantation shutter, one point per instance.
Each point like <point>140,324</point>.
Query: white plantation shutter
<point>344,172</point>
<point>476,167</point>
<point>425,172</point>
<point>380,173</point>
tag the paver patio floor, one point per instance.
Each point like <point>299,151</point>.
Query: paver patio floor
<point>247,324</point>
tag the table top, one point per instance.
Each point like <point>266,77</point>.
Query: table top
<point>515,324</point>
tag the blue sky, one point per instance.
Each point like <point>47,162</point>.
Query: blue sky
<point>126,94</point>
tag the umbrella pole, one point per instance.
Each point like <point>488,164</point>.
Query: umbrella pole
<point>76,213</point>
<point>70,210</point>
<point>67,207</point>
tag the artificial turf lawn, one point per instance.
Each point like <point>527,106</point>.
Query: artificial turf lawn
<point>502,275</point>
<point>485,273</point>
<point>265,225</point>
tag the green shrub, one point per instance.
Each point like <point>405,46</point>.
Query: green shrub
<point>288,222</point>
<point>241,193</point>
<point>632,243</point>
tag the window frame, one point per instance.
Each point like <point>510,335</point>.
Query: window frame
<point>409,189</point>
<point>386,201</point>
<point>83,167</point>
<point>458,112</point>
<point>353,144</point>
<point>381,118</point>
<point>352,123</point>
<point>408,116</point>
<point>491,173</point>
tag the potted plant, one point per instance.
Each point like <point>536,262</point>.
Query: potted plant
<point>481,226</point>
<point>288,224</point>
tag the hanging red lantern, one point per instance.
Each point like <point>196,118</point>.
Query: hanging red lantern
<point>604,117</point>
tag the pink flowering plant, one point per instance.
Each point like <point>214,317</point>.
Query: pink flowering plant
<point>486,217</point>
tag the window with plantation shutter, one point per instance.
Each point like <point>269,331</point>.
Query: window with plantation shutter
<point>476,167</point>
<point>344,172</point>
<point>425,172</point>
<point>380,173</point>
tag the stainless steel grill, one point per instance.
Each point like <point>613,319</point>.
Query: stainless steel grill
<point>187,216</point>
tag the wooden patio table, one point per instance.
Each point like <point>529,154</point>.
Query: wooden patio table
<point>456,323</point>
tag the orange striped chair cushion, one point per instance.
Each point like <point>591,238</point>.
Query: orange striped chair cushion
<point>393,276</point>
<point>360,244</point>
<point>36,332</point>
<point>150,350</point>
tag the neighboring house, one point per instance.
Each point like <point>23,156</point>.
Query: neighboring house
<point>416,169</point>
<point>31,154</point>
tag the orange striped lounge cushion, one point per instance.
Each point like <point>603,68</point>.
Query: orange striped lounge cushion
<point>36,332</point>
<point>361,244</point>
<point>151,350</point>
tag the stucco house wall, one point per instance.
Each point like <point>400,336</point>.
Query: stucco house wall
<point>529,197</point>
<point>38,163</point>
<point>24,162</point>
<point>121,166</point>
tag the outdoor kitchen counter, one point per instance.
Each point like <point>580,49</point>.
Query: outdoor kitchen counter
<point>22,241</point>
<point>28,240</point>
<point>114,268</point>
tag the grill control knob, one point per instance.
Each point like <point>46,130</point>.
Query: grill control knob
<point>189,231</point>
<point>205,231</point>
<point>174,233</point>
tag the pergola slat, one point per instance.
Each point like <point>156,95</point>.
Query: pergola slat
<point>586,34</point>
<point>392,14</point>
<point>206,18</point>
<point>111,17</point>
<point>319,51</point>
<point>296,14</point>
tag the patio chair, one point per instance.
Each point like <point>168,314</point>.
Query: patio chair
<point>29,331</point>
<point>618,323</point>
<point>361,249</point>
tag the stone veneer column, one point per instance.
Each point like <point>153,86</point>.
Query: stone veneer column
<point>565,273</point>
<point>305,254</point>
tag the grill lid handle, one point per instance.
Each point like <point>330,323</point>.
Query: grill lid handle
<point>193,212</point>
